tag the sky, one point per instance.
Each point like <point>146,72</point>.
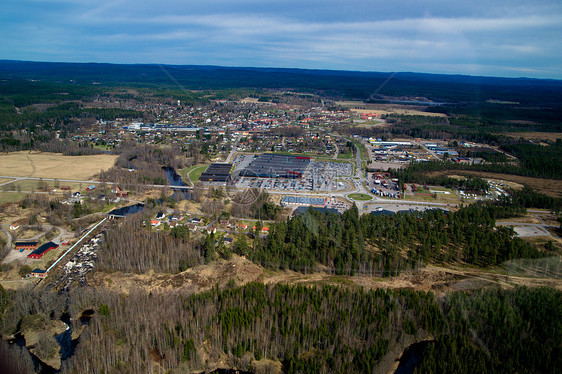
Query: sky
<point>506,38</point>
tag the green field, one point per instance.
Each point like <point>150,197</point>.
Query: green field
<point>10,197</point>
<point>360,196</point>
<point>193,173</point>
<point>344,156</point>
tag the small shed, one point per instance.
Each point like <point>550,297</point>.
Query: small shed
<point>38,273</point>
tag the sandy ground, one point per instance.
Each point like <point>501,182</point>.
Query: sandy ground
<point>430,278</point>
<point>53,165</point>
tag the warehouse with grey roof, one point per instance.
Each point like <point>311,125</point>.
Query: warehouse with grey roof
<point>269,165</point>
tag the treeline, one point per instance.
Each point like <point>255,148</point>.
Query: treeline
<point>57,115</point>
<point>307,328</point>
<point>417,173</point>
<point>130,246</point>
<point>383,245</point>
<point>25,92</point>
<point>70,148</point>
<point>529,198</point>
<point>538,160</point>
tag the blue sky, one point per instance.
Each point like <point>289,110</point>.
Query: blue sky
<point>506,38</point>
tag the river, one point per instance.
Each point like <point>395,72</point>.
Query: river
<point>174,180</point>
<point>412,356</point>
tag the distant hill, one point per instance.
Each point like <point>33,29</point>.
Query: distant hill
<point>347,84</point>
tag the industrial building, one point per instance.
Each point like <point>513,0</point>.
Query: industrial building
<point>39,252</point>
<point>216,173</point>
<point>270,165</point>
<point>21,245</point>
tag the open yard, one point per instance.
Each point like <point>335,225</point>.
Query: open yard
<point>538,136</point>
<point>409,110</point>
<point>53,165</point>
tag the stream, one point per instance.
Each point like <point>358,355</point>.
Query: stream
<point>412,357</point>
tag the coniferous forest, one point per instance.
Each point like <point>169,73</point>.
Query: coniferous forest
<point>308,329</point>
<point>385,245</point>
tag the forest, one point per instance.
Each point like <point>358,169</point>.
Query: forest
<point>447,89</point>
<point>385,245</point>
<point>131,247</point>
<point>343,244</point>
<point>309,329</point>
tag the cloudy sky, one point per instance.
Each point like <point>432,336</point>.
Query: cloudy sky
<point>509,38</point>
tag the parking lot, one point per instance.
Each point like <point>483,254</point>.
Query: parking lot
<point>382,185</point>
<point>318,176</point>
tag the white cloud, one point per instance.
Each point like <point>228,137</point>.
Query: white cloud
<point>374,36</point>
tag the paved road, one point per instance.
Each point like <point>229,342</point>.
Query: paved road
<point>233,150</point>
<point>91,182</point>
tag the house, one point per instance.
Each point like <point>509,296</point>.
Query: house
<point>39,252</point>
<point>91,187</point>
<point>196,220</point>
<point>160,215</point>
<point>21,245</point>
<point>38,273</point>
<point>264,229</point>
<point>155,222</point>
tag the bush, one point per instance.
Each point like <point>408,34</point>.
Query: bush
<point>24,270</point>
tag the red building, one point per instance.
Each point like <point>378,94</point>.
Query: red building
<point>39,252</point>
<point>38,273</point>
<point>21,245</point>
